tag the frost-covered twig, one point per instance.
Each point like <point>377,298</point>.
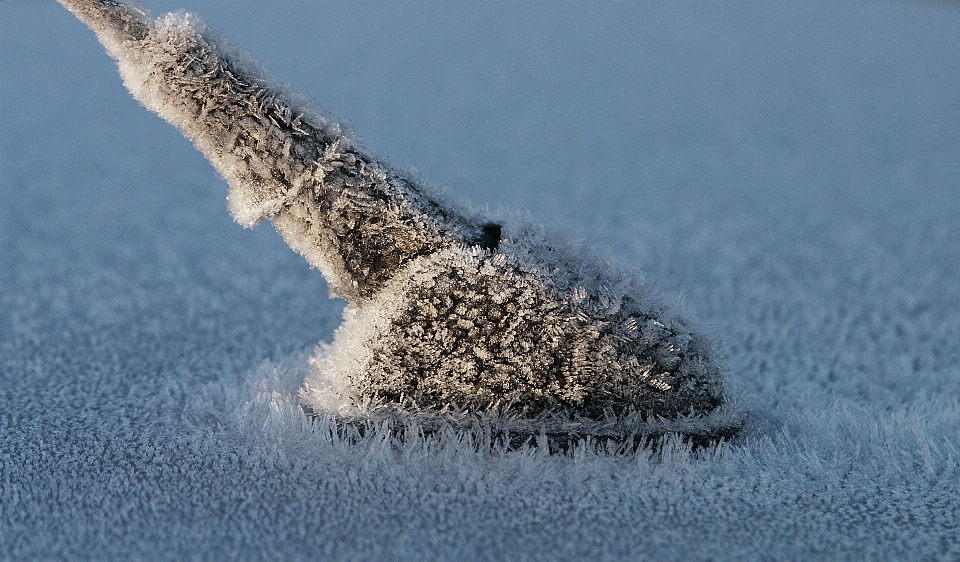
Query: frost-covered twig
<point>451,317</point>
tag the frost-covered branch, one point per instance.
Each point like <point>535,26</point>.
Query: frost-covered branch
<point>451,316</point>
<point>352,216</point>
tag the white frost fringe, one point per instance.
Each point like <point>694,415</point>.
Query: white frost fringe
<point>453,319</point>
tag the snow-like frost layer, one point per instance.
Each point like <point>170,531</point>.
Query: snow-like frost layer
<point>452,317</point>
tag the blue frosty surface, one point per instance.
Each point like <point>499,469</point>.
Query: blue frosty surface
<point>791,169</point>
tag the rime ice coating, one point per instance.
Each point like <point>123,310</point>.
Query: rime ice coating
<point>451,318</point>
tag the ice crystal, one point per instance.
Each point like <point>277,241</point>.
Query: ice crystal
<point>452,316</point>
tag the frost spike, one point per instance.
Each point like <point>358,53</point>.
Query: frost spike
<point>452,318</point>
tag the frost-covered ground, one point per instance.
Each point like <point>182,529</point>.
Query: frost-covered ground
<point>793,170</point>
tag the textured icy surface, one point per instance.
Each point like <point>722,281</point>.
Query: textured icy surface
<point>791,170</point>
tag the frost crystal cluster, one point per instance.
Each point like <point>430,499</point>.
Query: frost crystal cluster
<point>452,318</point>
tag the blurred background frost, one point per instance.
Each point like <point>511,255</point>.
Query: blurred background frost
<point>792,169</point>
